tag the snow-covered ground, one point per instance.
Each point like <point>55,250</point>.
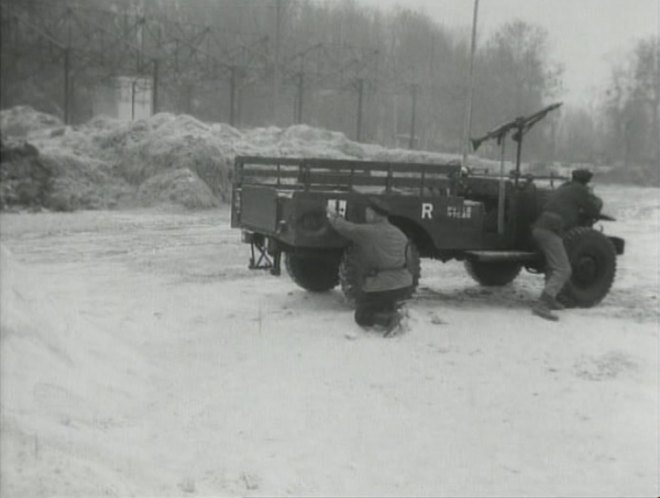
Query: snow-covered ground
<point>140,357</point>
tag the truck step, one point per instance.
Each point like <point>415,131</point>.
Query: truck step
<point>501,256</point>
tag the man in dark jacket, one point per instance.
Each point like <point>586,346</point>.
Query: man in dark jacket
<point>387,279</point>
<point>562,211</point>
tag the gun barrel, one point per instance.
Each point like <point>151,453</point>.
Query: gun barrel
<point>518,123</point>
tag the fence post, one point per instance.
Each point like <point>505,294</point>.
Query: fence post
<point>411,144</point>
<point>276,59</point>
<point>154,88</point>
<point>359,109</point>
<point>67,70</point>
<point>232,95</point>
<point>133,83</point>
<point>299,103</point>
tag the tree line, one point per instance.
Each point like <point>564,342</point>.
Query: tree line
<point>394,77</point>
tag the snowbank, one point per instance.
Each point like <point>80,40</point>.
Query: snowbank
<point>21,120</point>
<point>181,186</point>
<point>60,179</point>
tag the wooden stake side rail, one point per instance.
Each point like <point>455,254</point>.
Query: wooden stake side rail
<point>341,174</point>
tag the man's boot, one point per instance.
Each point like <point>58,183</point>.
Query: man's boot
<point>388,322</point>
<point>383,319</point>
<point>543,308</point>
<point>552,302</point>
<point>395,326</point>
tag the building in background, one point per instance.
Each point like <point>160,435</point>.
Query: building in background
<point>124,97</point>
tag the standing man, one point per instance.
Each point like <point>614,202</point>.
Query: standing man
<point>563,210</point>
<point>384,258</point>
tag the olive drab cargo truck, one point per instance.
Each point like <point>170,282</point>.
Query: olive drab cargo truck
<point>446,211</point>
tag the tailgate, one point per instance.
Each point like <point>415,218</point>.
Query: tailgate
<point>258,209</point>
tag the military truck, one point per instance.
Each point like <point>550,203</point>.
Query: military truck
<point>447,212</point>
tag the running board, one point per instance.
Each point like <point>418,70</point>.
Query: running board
<point>501,256</point>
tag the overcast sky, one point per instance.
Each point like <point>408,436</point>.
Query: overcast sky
<point>584,35</point>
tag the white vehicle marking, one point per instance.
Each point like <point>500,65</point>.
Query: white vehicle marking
<point>427,210</point>
<point>338,206</point>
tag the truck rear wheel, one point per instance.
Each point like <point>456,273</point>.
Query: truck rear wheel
<point>593,261</point>
<point>351,273</point>
<point>313,273</point>
<point>493,274</point>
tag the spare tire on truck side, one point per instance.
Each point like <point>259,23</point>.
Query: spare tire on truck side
<point>493,274</point>
<point>315,273</point>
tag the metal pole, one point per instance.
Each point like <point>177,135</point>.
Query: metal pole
<point>154,88</point>
<point>176,56</point>
<point>468,108</point>
<point>359,110</point>
<point>518,156</point>
<point>501,192</point>
<point>140,52</point>
<point>17,43</point>
<point>299,107</point>
<point>276,71</point>
<point>67,71</point>
<point>232,95</point>
<point>133,83</point>
<point>411,145</point>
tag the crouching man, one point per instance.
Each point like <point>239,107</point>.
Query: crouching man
<point>387,280</point>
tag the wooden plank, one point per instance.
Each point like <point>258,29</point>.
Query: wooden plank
<point>416,182</point>
<point>380,181</point>
<point>445,169</point>
<point>271,173</point>
<point>292,161</point>
<point>350,164</point>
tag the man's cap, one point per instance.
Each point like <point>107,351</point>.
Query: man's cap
<point>582,175</point>
<point>377,205</point>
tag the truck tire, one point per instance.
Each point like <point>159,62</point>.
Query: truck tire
<point>593,261</point>
<point>351,273</point>
<point>312,273</point>
<point>493,274</point>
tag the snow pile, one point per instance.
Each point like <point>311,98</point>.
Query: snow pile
<point>60,179</point>
<point>105,162</point>
<point>83,183</point>
<point>23,179</point>
<point>181,186</point>
<point>300,141</point>
<point>19,121</point>
<point>177,143</point>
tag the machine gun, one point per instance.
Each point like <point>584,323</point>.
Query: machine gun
<point>521,125</point>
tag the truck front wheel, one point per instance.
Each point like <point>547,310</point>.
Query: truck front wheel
<point>311,272</point>
<point>593,261</point>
